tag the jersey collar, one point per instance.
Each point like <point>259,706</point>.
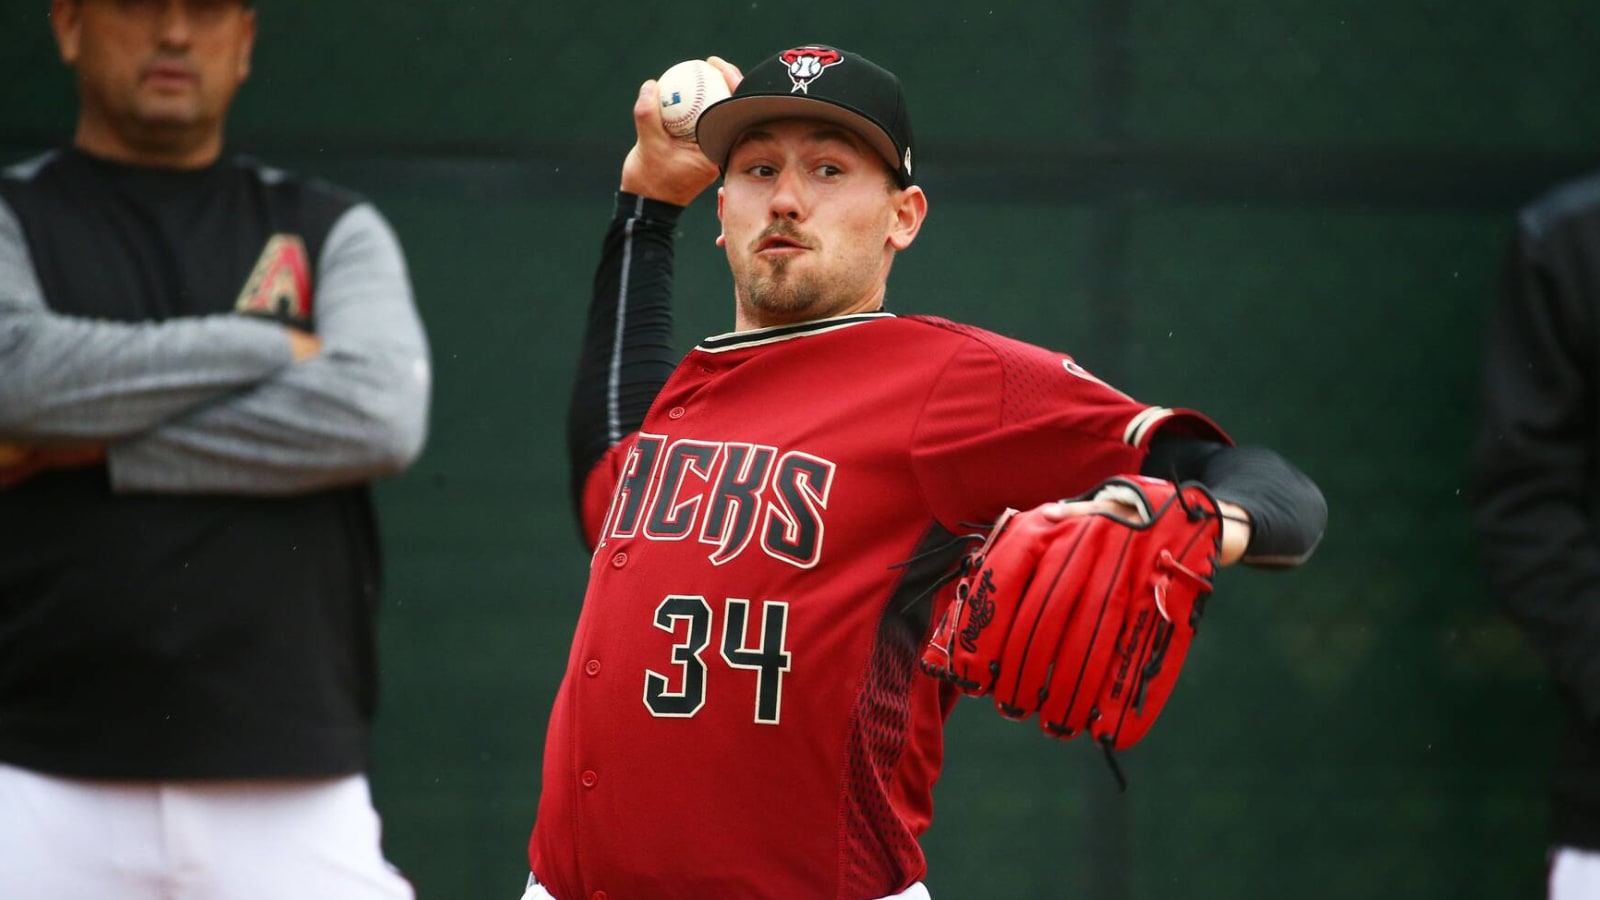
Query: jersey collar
<point>773,334</point>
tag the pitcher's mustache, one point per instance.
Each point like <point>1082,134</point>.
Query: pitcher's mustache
<point>782,229</point>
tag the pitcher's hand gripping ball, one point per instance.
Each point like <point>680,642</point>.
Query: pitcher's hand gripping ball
<point>1087,620</point>
<point>686,90</point>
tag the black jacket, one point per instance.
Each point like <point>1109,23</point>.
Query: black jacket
<point>1537,471</point>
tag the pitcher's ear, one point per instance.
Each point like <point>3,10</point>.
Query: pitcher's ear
<point>910,210</point>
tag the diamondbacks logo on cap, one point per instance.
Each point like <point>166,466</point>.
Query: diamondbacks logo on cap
<point>806,64</point>
<point>280,286</point>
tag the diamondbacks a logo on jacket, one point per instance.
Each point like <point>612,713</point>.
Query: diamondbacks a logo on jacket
<point>726,494</point>
<point>280,285</point>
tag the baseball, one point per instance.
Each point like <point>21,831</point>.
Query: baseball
<point>686,90</point>
<point>807,67</point>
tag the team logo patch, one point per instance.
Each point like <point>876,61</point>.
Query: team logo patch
<point>280,285</point>
<point>1073,368</point>
<point>806,64</point>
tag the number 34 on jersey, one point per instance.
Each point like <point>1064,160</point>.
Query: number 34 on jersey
<point>680,692</point>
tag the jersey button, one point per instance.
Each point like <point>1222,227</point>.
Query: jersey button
<point>620,560</point>
<point>588,779</point>
<point>675,413</point>
<point>592,667</point>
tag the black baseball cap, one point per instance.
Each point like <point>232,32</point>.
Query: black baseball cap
<point>816,82</point>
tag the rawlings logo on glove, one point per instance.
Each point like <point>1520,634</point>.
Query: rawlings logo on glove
<point>1086,620</point>
<point>980,614</point>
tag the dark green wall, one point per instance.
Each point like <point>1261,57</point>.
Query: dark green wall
<point>1288,214</point>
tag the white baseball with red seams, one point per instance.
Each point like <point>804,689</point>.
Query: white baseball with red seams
<point>686,90</point>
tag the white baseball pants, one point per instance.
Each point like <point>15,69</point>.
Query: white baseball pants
<point>73,839</point>
<point>536,891</point>
<point>1574,874</point>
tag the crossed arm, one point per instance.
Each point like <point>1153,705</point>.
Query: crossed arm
<point>220,404</point>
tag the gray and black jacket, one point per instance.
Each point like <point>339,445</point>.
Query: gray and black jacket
<point>204,604</point>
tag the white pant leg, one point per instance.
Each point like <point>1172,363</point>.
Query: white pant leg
<point>310,840</point>
<point>917,891</point>
<point>72,840</point>
<point>536,891</point>
<point>1574,874</point>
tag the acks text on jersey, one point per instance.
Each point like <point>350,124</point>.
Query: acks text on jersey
<point>726,494</point>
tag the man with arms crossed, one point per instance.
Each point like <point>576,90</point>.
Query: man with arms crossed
<point>204,364</point>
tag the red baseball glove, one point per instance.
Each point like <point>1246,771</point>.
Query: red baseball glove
<point>1087,620</point>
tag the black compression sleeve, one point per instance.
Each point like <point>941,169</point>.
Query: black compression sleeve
<point>1287,509</point>
<point>626,354</point>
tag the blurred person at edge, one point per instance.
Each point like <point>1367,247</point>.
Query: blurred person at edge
<point>1536,493</point>
<point>203,364</point>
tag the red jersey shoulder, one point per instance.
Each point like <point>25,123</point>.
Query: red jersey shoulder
<point>1011,352</point>
<point>1031,374</point>
<point>1036,381</point>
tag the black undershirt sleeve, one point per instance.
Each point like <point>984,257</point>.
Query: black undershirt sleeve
<point>1287,509</point>
<point>627,354</point>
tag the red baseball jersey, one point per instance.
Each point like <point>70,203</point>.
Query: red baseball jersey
<point>742,714</point>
